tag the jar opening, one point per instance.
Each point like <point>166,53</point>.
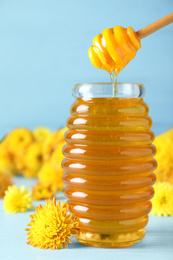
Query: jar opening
<point>114,90</point>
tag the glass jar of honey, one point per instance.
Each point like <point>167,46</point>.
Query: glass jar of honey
<point>109,163</point>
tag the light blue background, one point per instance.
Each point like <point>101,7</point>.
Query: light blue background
<point>43,53</point>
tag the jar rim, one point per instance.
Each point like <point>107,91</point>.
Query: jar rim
<point>108,89</point>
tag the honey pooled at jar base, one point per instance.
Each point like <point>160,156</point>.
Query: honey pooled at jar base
<point>109,169</point>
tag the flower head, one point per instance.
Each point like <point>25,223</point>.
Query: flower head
<point>6,161</point>
<point>42,191</point>
<point>52,141</point>
<point>51,227</point>
<point>61,133</point>
<point>16,143</point>
<point>5,181</point>
<point>33,160</point>
<point>41,133</point>
<point>51,172</point>
<point>57,155</point>
<point>162,202</point>
<point>17,199</point>
<point>164,156</point>
<point>52,175</point>
<point>18,139</point>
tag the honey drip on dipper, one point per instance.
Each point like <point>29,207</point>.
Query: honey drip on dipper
<point>114,48</point>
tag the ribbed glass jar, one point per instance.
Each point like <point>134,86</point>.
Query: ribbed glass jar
<point>109,163</point>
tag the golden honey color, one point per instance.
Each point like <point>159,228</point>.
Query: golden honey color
<point>109,169</point>
<point>114,48</point>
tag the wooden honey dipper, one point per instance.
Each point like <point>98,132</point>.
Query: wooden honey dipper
<point>144,32</point>
<point>115,47</point>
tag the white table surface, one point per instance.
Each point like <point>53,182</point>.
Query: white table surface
<point>157,244</point>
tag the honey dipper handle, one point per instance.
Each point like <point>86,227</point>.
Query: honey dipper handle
<point>155,26</point>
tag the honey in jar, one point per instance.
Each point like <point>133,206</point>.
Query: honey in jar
<point>109,163</point>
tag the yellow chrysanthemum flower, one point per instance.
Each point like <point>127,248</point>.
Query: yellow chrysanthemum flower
<point>51,227</point>
<point>57,155</point>
<point>41,133</point>
<point>52,141</point>
<point>17,199</point>
<point>61,133</point>
<point>164,156</point>
<point>42,191</point>
<point>16,143</point>
<point>5,181</point>
<point>18,162</point>
<point>162,202</point>
<point>33,160</point>
<point>6,162</point>
<point>52,176</point>
<point>18,140</point>
<point>29,173</point>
